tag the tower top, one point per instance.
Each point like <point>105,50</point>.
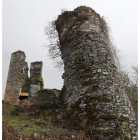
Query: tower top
<point>18,52</point>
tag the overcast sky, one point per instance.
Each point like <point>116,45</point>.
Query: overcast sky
<point>23,23</point>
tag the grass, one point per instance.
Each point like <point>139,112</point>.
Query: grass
<point>22,123</point>
<point>42,124</point>
<point>45,124</point>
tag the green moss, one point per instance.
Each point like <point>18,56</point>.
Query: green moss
<point>90,82</point>
<point>87,69</point>
<point>6,110</point>
<point>124,119</point>
<point>86,76</point>
<point>36,81</point>
<point>88,99</point>
<point>126,138</point>
<point>99,98</point>
<point>41,123</point>
<point>87,83</point>
<point>105,99</point>
<point>62,93</point>
<point>90,110</point>
<point>91,119</point>
<point>114,133</point>
<point>51,91</point>
<point>128,130</point>
<point>108,132</point>
<point>109,117</point>
<point>81,59</point>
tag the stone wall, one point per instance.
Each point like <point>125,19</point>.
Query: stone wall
<point>46,98</point>
<point>17,75</point>
<point>36,69</point>
<point>94,90</point>
<point>36,80</point>
<point>18,81</point>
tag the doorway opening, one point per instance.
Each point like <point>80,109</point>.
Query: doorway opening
<point>23,95</point>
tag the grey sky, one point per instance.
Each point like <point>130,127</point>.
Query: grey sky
<point>23,24</point>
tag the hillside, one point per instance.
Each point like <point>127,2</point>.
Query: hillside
<point>38,123</point>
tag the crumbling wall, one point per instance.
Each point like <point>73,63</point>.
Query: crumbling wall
<point>18,72</point>
<point>36,80</point>
<point>36,69</point>
<point>94,90</point>
<point>46,98</point>
<point>18,82</point>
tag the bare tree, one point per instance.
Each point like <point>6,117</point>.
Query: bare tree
<point>54,44</point>
<point>131,86</point>
<point>55,47</point>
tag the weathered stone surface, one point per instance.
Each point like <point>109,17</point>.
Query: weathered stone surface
<point>12,98</point>
<point>17,75</point>
<point>45,97</point>
<point>36,74</point>
<point>93,87</point>
<point>18,81</point>
<point>36,69</point>
<point>47,94</point>
<point>33,90</point>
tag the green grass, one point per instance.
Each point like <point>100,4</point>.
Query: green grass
<point>24,124</point>
<point>27,124</point>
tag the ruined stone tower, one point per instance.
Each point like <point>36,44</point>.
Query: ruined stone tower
<point>18,72</point>
<point>36,69</point>
<point>94,90</point>
<point>19,86</point>
<point>36,78</point>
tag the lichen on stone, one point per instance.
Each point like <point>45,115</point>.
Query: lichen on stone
<point>36,81</point>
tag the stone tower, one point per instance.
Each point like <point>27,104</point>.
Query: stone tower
<point>36,69</point>
<point>19,86</point>
<point>94,90</point>
<point>36,78</point>
<point>17,75</point>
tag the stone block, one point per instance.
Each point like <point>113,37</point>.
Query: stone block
<point>33,90</point>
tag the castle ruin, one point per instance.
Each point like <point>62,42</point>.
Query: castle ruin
<point>19,85</point>
<point>93,87</point>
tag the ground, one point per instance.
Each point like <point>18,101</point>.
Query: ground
<point>38,123</point>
